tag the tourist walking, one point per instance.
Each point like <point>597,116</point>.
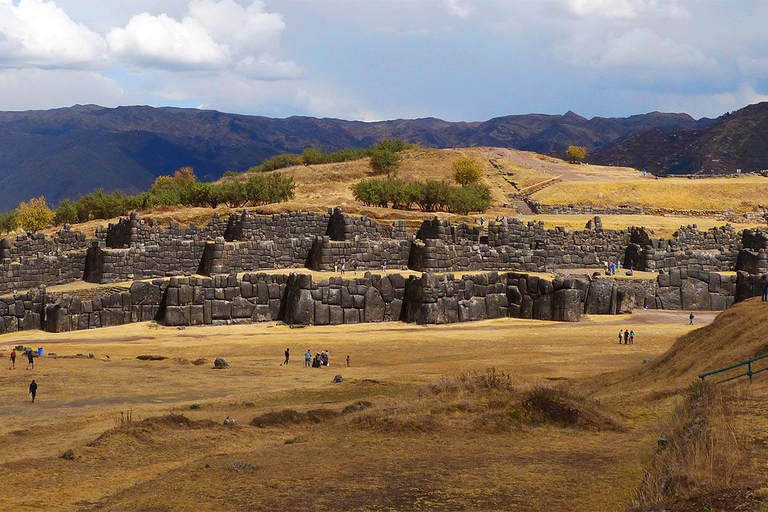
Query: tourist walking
<point>764,287</point>
<point>13,359</point>
<point>631,337</point>
<point>308,358</point>
<point>287,355</point>
<point>343,267</point>
<point>626,336</point>
<point>348,360</point>
<point>33,390</point>
<point>690,318</point>
<point>621,336</point>
<point>30,360</point>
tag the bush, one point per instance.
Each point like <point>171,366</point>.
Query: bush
<point>464,200</point>
<point>429,196</point>
<point>8,222</point>
<point>34,215</point>
<point>467,170</point>
<point>576,153</point>
<point>385,160</point>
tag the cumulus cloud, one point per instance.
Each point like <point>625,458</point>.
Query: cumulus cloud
<point>460,8</point>
<point>162,41</point>
<point>643,48</point>
<point>37,33</point>
<point>215,34</point>
<point>624,9</point>
<point>24,89</point>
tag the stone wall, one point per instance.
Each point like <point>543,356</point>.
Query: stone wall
<point>223,300</point>
<point>360,254</point>
<point>30,261</point>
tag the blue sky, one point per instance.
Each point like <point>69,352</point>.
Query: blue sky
<point>383,59</point>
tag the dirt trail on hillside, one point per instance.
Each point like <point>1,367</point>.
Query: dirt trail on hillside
<point>554,167</point>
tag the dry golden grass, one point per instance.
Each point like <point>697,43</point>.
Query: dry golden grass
<point>403,457</point>
<point>716,194</point>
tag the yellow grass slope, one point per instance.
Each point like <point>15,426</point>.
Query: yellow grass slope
<point>736,335</point>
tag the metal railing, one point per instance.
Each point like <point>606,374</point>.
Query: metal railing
<point>749,373</point>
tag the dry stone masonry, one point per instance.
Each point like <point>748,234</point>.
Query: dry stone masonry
<point>215,274</point>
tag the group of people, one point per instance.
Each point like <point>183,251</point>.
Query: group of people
<point>611,267</point>
<point>30,365</point>
<point>626,337</point>
<point>30,359</point>
<point>341,266</point>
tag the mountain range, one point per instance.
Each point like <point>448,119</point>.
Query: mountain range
<point>61,153</point>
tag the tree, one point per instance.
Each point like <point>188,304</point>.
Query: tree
<point>34,215</point>
<point>8,222</point>
<point>467,170</point>
<point>576,153</point>
<point>385,160</point>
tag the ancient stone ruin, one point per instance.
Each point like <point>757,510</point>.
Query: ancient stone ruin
<point>216,274</point>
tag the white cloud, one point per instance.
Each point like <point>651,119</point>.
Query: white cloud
<point>753,67</point>
<point>161,41</point>
<point>462,9</point>
<point>624,9</point>
<point>37,33</point>
<point>715,104</point>
<point>23,89</point>
<point>213,35</point>
<point>643,48</point>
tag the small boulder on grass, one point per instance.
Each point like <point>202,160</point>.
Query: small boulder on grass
<point>220,364</point>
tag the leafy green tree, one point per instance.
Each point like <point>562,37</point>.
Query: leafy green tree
<point>34,215</point>
<point>8,222</point>
<point>467,170</point>
<point>385,160</point>
<point>66,212</point>
<point>576,153</point>
<point>311,156</point>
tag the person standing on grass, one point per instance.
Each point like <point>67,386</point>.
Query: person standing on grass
<point>348,360</point>
<point>308,358</point>
<point>621,336</point>
<point>13,359</point>
<point>33,390</point>
<point>626,336</point>
<point>287,355</point>
<point>30,359</point>
<point>764,287</point>
<point>631,337</point>
<point>690,318</point>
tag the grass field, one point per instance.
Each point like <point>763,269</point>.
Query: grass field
<point>738,195</point>
<point>411,449</point>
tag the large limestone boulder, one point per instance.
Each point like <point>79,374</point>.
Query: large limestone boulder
<point>600,297</point>
<point>374,305</point>
<point>695,294</point>
<point>670,297</point>
<point>566,306</point>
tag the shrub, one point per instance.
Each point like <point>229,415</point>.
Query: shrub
<point>385,160</point>
<point>464,200</point>
<point>34,215</point>
<point>8,222</point>
<point>66,212</point>
<point>467,170</point>
<point>576,153</point>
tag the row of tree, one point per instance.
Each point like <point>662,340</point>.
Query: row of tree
<point>428,196</point>
<point>180,189</point>
<point>384,157</point>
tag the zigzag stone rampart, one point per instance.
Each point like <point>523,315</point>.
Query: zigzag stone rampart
<point>176,259</point>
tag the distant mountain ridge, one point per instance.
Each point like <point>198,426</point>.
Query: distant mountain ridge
<point>737,140</point>
<point>63,152</point>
